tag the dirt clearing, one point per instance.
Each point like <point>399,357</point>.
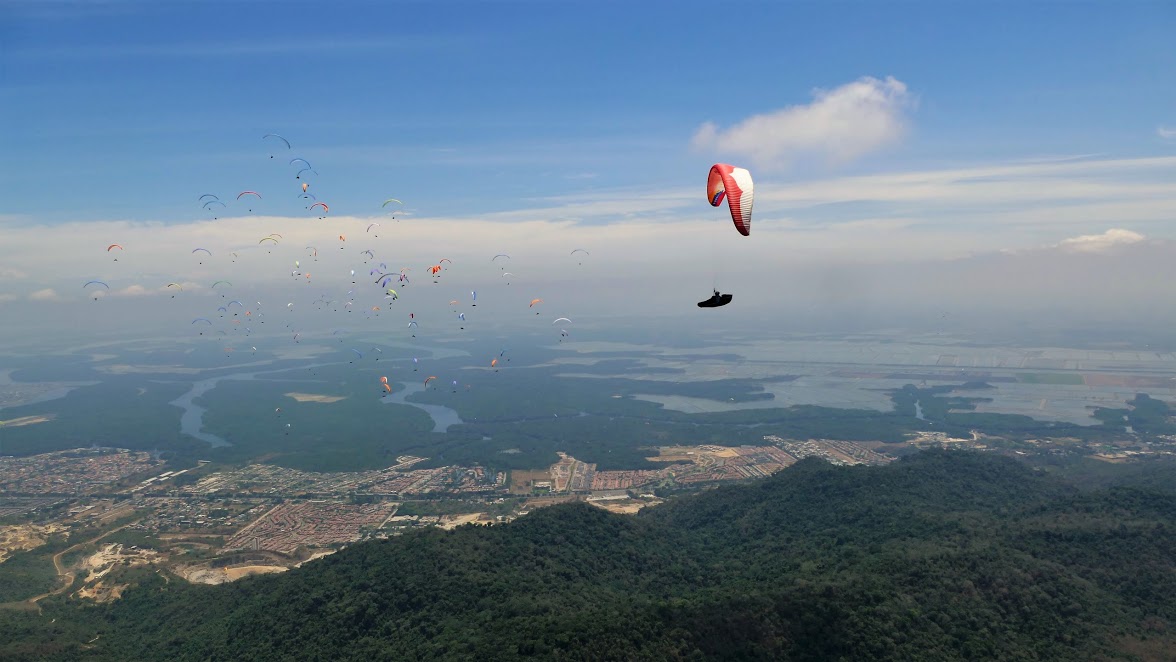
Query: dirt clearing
<point>311,397</point>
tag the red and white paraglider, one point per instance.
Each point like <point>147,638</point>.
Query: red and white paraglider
<point>735,184</point>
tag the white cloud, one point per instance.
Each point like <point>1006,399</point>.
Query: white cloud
<point>7,273</point>
<point>1095,243</point>
<point>7,297</point>
<point>134,291</point>
<point>940,228</point>
<point>1165,132</point>
<point>840,125</point>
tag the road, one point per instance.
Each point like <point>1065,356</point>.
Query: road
<point>62,573</point>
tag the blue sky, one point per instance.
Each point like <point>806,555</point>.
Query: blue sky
<point>976,147</point>
<point>128,109</point>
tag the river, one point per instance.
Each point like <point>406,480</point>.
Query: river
<point>443,417</point>
<point>192,420</point>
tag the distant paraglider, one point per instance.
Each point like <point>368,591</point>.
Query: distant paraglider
<point>275,138</point>
<point>96,282</point>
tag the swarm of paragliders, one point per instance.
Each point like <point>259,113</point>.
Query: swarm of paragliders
<point>724,182</point>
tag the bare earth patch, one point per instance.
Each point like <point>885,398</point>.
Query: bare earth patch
<point>453,521</point>
<point>203,574</point>
<point>26,420</point>
<point>311,397</point>
<point>21,537</point>
<point>101,592</point>
<point>126,369</point>
<point>625,507</point>
<point>244,571</point>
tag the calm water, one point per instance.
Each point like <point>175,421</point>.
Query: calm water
<point>442,417</point>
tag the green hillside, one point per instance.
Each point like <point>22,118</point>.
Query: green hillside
<point>941,556</point>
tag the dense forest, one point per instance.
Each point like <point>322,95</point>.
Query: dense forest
<point>940,556</point>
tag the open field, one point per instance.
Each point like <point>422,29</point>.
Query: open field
<point>523,481</point>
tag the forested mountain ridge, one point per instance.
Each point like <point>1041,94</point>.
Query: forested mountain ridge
<point>944,555</point>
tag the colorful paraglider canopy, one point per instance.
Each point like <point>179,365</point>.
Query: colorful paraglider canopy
<point>735,184</point>
<point>118,246</point>
<point>244,193</point>
<point>390,200</point>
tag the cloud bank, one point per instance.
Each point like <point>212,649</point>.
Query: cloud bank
<point>1083,237</point>
<point>839,126</point>
<point>1096,243</point>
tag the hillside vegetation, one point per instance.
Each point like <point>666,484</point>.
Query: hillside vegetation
<point>940,556</point>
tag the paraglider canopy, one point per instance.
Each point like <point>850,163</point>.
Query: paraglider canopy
<point>735,184</point>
